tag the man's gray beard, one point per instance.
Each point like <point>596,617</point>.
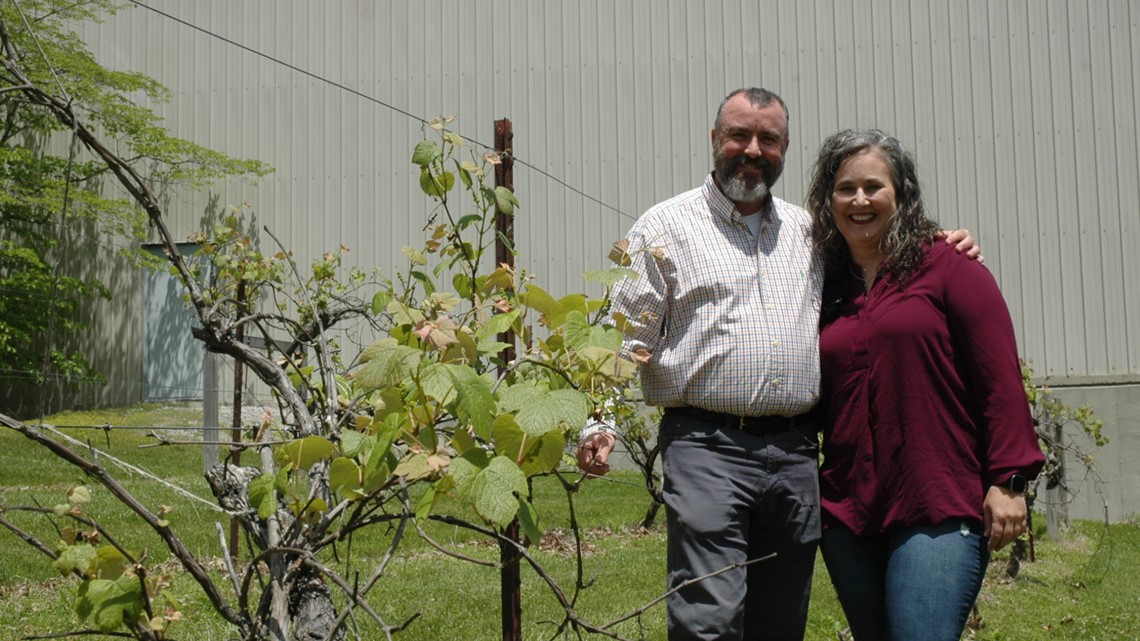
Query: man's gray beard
<point>738,192</point>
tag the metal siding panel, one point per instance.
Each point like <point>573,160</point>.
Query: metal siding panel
<point>1000,210</point>
<point>806,95</point>
<point>920,45</point>
<point>1085,157</point>
<point>962,132</point>
<point>1101,270</point>
<point>883,91</point>
<point>864,63</point>
<point>847,74</point>
<point>1111,75</point>
<point>1066,131</point>
<point>704,89</point>
<point>902,94</point>
<point>1026,312</point>
<point>1130,171</point>
<point>944,109</point>
<point>826,80</point>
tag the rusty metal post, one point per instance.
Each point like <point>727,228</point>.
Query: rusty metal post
<point>510,579</point>
<point>505,223</point>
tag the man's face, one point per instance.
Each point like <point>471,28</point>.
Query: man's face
<point>748,150</point>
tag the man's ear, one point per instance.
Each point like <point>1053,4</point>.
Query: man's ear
<point>713,137</point>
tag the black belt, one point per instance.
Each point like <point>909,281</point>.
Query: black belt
<point>750,424</point>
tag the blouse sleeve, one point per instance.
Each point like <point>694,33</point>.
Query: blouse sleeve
<point>983,336</point>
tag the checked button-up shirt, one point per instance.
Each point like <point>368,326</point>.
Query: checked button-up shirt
<point>730,320</point>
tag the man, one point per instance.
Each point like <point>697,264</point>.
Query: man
<point>725,313</point>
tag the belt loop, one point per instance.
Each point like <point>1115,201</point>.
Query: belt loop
<point>740,424</point>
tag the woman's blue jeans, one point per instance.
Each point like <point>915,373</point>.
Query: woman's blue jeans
<point>911,584</point>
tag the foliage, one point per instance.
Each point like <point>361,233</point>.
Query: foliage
<point>433,412</point>
<point>47,188</point>
<point>1052,418</point>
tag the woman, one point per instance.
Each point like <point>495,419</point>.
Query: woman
<point>928,441</point>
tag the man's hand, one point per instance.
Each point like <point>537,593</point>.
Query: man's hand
<point>1006,516</point>
<point>963,241</point>
<point>594,452</point>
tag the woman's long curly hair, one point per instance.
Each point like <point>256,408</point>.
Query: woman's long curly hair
<point>905,242</point>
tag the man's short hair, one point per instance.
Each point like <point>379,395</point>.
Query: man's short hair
<point>757,97</point>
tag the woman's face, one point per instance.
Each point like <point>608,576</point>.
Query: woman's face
<point>863,199</point>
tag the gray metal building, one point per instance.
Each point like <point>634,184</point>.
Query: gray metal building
<point>1023,115</point>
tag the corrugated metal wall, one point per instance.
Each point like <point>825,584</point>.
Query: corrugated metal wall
<point>1023,115</point>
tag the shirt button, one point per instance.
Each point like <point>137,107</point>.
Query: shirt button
<point>776,383</point>
<point>767,308</point>
<point>775,343</point>
<point>763,272</point>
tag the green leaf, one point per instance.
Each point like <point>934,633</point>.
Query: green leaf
<point>380,300</point>
<point>462,284</point>
<point>388,364</point>
<point>303,453</point>
<point>414,255</point>
<point>378,468</point>
<point>581,336</point>
<point>515,397</point>
<point>424,505</point>
<point>404,315</point>
<point>464,176</point>
<point>497,324</point>
<point>110,604</point>
<point>424,280</point>
<point>492,347</point>
<point>436,185</point>
<point>467,221</point>
<point>561,407</point>
<point>494,490</point>
<point>263,495</point>
<point>465,469</point>
<point>474,403</point>
<point>346,477</point>
<point>534,455</point>
<point>505,200</point>
<point>610,277</point>
<point>437,383</point>
<point>528,521</point>
<point>351,442</point>
<point>415,466</point>
<point>426,152</point>
<point>75,558</point>
<point>109,562</point>
<point>79,495</point>
<point>537,299</point>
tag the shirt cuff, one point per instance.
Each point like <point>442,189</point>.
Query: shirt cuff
<point>596,427</point>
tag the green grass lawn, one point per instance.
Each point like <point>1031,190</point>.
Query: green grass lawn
<point>1082,587</point>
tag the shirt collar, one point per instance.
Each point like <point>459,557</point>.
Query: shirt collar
<point>723,207</point>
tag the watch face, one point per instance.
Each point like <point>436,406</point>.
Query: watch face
<point>1017,483</point>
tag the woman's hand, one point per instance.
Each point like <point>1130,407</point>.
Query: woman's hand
<point>1006,516</point>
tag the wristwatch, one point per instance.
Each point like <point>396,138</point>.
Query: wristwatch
<point>1016,483</point>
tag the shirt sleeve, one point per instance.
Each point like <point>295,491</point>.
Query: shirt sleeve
<point>983,336</point>
<point>643,300</point>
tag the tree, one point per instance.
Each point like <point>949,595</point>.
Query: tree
<point>47,186</point>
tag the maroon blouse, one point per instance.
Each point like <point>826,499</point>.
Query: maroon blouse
<point>925,404</point>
